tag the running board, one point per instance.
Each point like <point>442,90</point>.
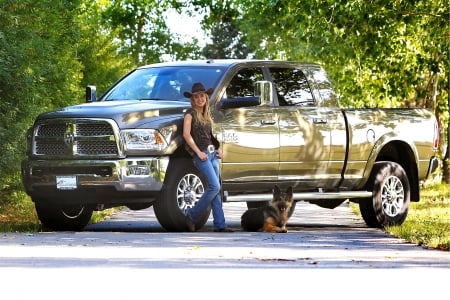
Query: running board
<point>299,196</point>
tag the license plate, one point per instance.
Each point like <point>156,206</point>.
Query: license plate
<point>66,182</point>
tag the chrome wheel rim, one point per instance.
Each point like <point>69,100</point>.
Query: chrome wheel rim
<point>392,196</point>
<point>189,190</point>
<point>72,212</point>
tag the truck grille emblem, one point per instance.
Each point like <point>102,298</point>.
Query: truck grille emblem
<point>69,138</point>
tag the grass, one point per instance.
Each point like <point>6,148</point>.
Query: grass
<point>428,221</point>
<point>427,224</point>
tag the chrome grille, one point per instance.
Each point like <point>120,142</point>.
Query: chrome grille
<point>96,148</point>
<point>51,148</point>
<point>89,129</point>
<point>75,138</point>
<point>51,130</point>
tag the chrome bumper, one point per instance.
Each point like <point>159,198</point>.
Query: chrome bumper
<point>126,175</point>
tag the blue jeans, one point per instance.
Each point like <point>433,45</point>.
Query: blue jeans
<point>211,196</point>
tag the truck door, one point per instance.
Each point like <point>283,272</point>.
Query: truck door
<point>250,136</point>
<point>305,132</point>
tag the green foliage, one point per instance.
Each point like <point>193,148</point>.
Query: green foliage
<point>142,31</point>
<point>380,53</point>
<point>222,26</point>
<point>37,71</point>
<point>98,50</point>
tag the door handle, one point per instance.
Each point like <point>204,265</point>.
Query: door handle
<point>319,121</point>
<point>268,122</point>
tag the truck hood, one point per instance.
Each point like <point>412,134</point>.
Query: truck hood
<point>127,114</point>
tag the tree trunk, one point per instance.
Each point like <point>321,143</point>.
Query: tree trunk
<point>446,161</point>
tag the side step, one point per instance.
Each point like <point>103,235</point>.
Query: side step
<point>298,196</point>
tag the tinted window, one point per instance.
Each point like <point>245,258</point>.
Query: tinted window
<point>292,87</point>
<point>242,84</point>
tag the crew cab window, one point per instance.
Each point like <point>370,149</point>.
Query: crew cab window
<point>292,87</point>
<point>242,84</point>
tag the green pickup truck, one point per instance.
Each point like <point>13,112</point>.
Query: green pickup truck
<point>278,122</point>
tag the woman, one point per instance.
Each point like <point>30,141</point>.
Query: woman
<point>197,133</point>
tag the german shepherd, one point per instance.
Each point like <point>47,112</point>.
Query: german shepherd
<point>270,218</point>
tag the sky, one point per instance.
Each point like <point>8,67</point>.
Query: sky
<point>187,27</point>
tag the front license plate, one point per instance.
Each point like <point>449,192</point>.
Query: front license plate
<point>66,182</point>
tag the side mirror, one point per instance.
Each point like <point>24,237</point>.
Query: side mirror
<point>263,89</point>
<point>91,93</point>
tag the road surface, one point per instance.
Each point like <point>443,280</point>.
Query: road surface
<point>326,253</point>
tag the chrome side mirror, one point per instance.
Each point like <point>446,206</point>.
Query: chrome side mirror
<point>91,93</point>
<point>263,89</point>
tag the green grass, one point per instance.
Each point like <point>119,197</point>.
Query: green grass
<point>428,221</point>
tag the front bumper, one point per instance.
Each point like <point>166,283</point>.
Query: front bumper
<point>144,174</point>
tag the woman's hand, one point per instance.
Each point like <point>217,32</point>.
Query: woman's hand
<point>219,153</point>
<point>202,156</point>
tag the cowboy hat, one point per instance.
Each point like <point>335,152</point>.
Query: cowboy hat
<point>198,88</point>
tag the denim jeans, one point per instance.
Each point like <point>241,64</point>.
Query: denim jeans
<point>211,196</point>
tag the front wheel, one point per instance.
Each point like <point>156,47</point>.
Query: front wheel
<point>63,218</point>
<point>183,187</point>
<point>391,196</point>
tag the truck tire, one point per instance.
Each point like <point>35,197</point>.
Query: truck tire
<point>183,187</point>
<point>64,218</point>
<point>391,196</point>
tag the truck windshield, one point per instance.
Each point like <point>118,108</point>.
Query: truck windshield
<point>162,83</point>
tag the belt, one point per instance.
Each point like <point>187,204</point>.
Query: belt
<point>210,148</point>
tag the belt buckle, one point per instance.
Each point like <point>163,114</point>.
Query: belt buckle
<point>211,148</point>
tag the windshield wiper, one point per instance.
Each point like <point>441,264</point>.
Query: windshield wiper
<point>151,99</point>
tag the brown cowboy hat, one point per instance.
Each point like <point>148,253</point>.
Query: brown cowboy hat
<point>198,88</point>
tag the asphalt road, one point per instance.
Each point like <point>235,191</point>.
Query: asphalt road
<point>326,253</point>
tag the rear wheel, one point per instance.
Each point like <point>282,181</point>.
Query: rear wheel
<point>61,218</point>
<point>183,187</point>
<point>391,196</point>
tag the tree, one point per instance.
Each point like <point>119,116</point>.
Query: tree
<point>38,72</point>
<point>98,49</point>
<point>142,31</point>
<point>223,27</point>
<point>221,24</point>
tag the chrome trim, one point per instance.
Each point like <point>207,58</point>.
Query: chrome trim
<point>65,138</point>
<point>299,196</point>
<point>118,177</point>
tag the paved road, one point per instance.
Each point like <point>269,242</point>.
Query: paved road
<point>326,253</point>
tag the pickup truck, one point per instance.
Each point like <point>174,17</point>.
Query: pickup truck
<point>277,122</point>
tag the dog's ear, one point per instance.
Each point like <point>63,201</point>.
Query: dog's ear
<point>276,191</point>
<point>289,191</point>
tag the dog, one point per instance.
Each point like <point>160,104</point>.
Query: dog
<point>270,218</point>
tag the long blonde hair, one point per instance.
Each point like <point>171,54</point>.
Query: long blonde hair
<point>204,117</point>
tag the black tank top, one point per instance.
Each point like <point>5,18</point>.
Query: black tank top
<point>200,133</point>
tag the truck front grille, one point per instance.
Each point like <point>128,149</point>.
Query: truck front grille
<point>65,138</point>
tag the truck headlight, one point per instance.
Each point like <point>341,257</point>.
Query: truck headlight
<point>146,139</point>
